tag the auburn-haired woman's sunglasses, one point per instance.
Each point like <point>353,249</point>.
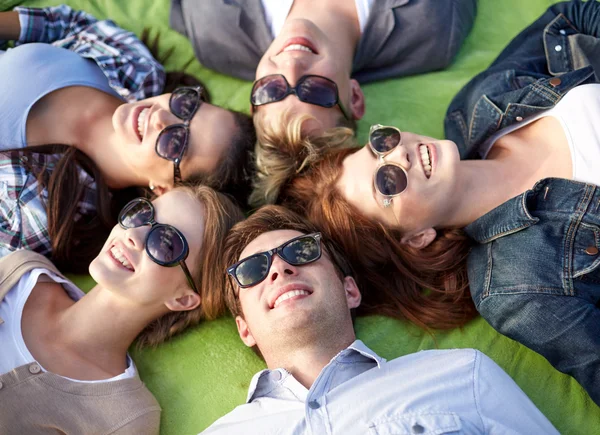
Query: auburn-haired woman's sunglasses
<point>389,179</point>
<point>172,141</point>
<point>165,244</point>
<point>311,89</point>
<point>298,251</point>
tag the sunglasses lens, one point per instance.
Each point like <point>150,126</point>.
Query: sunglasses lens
<point>136,213</point>
<point>252,270</point>
<point>318,90</point>
<point>171,142</point>
<point>268,90</point>
<point>184,102</point>
<point>390,180</point>
<point>301,251</point>
<point>165,244</point>
<point>385,139</point>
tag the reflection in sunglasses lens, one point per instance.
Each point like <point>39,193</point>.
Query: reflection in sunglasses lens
<point>252,270</point>
<point>184,102</point>
<point>136,214</point>
<point>171,142</point>
<point>164,244</point>
<point>390,180</point>
<point>316,90</point>
<point>269,90</point>
<point>385,139</point>
<point>301,251</point>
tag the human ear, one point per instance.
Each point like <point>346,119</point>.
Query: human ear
<point>159,188</point>
<point>420,239</point>
<point>244,332</point>
<point>353,296</point>
<point>357,100</point>
<point>187,302</point>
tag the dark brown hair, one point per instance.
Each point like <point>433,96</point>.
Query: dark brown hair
<point>75,240</point>
<point>428,287</point>
<point>272,218</point>
<point>221,215</point>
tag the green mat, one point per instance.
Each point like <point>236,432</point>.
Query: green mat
<point>206,372</point>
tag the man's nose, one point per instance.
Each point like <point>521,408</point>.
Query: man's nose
<point>280,269</point>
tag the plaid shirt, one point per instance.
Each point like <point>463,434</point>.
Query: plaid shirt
<point>125,61</point>
<point>23,219</point>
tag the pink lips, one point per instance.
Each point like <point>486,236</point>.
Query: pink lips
<point>134,121</point>
<point>285,289</point>
<point>301,41</point>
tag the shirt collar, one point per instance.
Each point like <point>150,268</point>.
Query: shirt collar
<point>267,380</point>
<point>508,218</point>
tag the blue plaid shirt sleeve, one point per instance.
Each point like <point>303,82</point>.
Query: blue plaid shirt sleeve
<point>124,59</point>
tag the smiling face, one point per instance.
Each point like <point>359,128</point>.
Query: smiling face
<point>302,48</point>
<point>137,126</point>
<point>124,268</point>
<point>431,167</point>
<point>294,305</point>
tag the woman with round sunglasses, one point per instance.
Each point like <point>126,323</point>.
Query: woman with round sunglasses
<point>64,353</point>
<point>524,207</point>
<point>97,97</point>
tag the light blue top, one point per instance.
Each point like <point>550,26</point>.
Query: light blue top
<point>429,392</point>
<point>31,71</point>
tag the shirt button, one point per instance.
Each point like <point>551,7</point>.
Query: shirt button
<point>417,428</point>
<point>562,32</point>
<point>558,48</point>
<point>591,250</point>
<point>34,369</point>
<point>313,404</point>
<point>519,118</point>
<point>555,82</point>
<point>276,375</point>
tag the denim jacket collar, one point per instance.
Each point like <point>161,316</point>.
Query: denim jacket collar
<point>508,218</point>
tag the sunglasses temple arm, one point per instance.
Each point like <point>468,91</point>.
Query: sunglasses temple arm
<point>188,275</point>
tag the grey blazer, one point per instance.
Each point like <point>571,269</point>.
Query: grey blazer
<point>401,37</point>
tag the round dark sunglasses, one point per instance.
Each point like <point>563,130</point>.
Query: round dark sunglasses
<point>165,244</point>
<point>389,179</point>
<point>172,141</point>
<point>298,251</point>
<point>311,89</point>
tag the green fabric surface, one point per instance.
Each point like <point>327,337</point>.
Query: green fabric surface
<point>205,373</point>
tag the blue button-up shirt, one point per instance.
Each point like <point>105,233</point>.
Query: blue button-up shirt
<point>358,392</point>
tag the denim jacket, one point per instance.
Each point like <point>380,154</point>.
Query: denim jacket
<point>537,68</point>
<point>534,272</point>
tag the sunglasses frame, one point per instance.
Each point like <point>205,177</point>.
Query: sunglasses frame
<point>185,125</point>
<point>292,90</point>
<point>180,260</point>
<point>231,270</point>
<point>387,201</point>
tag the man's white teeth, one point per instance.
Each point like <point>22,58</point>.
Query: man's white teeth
<point>118,255</point>
<point>142,120</point>
<point>288,295</point>
<point>298,47</point>
<point>424,150</point>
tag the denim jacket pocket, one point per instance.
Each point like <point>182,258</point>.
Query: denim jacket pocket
<point>429,423</point>
<point>586,253</point>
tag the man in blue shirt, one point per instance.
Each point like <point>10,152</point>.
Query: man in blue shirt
<point>291,292</point>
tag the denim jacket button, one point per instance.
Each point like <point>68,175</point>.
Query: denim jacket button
<point>562,32</point>
<point>519,118</point>
<point>591,250</point>
<point>555,82</point>
<point>558,48</point>
<point>417,428</point>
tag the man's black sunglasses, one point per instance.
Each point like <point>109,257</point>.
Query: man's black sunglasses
<point>172,141</point>
<point>298,251</point>
<point>165,244</point>
<point>312,89</point>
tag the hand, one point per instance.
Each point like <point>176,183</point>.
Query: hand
<point>10,26</point>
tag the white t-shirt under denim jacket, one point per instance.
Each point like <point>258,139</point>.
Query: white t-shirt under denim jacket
<point>33,399</point>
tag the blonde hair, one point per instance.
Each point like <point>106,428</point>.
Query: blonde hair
<point>283,151</point>
<point>208,275</point>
